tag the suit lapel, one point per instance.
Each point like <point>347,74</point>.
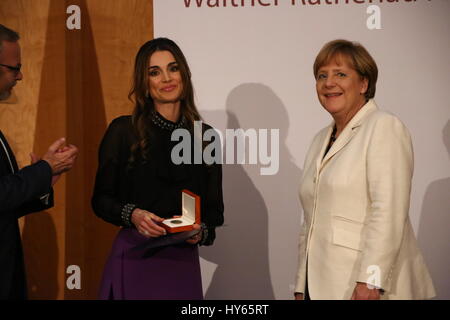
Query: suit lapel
<point>8,155</point>
<point>325,141</point>
<point>344,138</point>
<point>346,135</point>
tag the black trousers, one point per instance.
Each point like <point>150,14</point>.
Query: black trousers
<point>306,295</point>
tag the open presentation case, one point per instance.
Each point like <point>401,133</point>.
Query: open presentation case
<point>190,215</point>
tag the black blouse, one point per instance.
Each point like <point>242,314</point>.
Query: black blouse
<point>154,185</point>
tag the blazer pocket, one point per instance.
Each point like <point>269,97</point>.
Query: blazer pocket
<point>347,233</point>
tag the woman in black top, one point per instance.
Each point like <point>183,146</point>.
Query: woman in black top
<point>138,184</point>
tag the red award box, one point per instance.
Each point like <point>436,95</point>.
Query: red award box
<point>190,206</point>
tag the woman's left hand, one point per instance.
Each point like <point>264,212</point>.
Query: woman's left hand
<point>362,292</point>
<point>197,237</point>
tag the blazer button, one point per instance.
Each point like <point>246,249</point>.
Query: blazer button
<point>315,180</point>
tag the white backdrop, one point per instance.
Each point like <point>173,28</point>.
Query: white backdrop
<point>252,68</point>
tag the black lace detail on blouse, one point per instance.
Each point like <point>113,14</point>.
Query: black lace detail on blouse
<point>163,123</point>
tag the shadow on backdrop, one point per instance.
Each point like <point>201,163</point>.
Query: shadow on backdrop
<point>41,256</point>
<point>39,231</point>
<point>434,234</point>
<point>89,238</point>
<point>241,250</point>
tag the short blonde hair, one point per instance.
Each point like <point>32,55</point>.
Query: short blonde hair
<point>358,57</point>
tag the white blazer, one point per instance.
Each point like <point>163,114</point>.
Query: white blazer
<point>356,201</point>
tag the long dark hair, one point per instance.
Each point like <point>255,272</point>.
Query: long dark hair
<point>144,105</point>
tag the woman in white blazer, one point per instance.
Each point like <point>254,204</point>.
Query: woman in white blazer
<point>357,241</point>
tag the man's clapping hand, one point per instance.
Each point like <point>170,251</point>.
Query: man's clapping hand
<point>60,157</point>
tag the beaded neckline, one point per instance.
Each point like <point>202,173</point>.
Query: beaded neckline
<point>165,124</point>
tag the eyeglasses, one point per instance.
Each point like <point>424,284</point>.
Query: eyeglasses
<point>16,70</point>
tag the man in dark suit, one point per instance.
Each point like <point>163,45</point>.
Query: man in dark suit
<point>22,191</point>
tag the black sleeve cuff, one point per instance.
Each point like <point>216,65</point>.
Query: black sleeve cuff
<point>125,215</point>
<point>208,235</point>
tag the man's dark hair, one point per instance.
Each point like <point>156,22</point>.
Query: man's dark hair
<point>7,34</point>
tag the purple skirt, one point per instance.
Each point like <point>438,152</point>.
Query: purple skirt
<point>169,273</point>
